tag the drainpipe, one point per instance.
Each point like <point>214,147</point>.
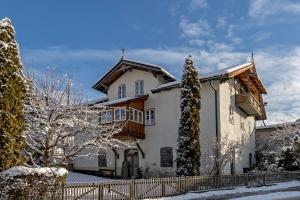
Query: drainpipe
<point>217,124</point>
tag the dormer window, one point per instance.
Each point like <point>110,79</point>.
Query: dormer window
<point>139,87</point>
<point>122,91</point>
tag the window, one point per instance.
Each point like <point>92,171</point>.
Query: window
<point>139,87</point>
<point>122,91</point>
<point>242,126</point>
<point>106,117</point>
<point>136,115</point>
<point>120,114</point>
<point>102,159</point>
<point>131,113</point>
<point>166,157</point>
<point>231,115</point>
<point>150,117</point>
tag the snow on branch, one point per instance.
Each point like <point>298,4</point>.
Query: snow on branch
<point>59,126</point>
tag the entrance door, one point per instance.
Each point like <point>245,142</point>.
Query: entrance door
<point>132,158</point>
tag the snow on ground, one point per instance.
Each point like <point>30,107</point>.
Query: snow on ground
<point>74,177</point>
<point>194,195</point>
<point>272,196</point>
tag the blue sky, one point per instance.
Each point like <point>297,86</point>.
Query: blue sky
<point>84,38</point>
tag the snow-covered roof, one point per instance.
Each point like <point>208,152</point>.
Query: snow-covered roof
<point>122,100</point>
<point>167,86</point>
<point>96,101</point>
<point>204,77</point>
<point>280,125</point>
<point>224,71</point>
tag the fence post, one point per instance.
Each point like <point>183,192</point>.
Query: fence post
<point>163,188</point>
<point>63,191</point>
<point>132,190</point>
<point>100,192</point>
<point>185,184</point>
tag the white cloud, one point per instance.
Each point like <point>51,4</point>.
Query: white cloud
<point>258,37</point>
<point>278,67</point>
<point>261,9</point>
<point>231,34</point>
<point>194,29</point>
<point>197,42</point>
<point>198,4</point>
<point>221,22</point>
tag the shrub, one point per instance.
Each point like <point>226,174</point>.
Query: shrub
<point>22,183</point>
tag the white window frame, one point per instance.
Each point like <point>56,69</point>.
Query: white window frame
<point>121,91</point>
<point>150,121</point>
<point>115,115</point>
<point>136,118</point>
<point>106,121</point>
<point>139,87</point>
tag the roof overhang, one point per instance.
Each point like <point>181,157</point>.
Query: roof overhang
<point>246,74</point>
<point>122,66</point>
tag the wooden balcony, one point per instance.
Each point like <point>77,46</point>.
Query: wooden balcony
<point>132,130</point>
<point>249,104</point>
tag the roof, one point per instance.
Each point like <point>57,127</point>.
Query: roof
<point>280,125</point>
<point>124,100</point>
<point>167,86</point>
<point>229,72</point>
<point>97,101</point>
<point>122,66</point>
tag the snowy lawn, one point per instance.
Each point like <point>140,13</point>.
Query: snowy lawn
<point>272,196</point>
<point>194,195</point>
<point>74,177</point>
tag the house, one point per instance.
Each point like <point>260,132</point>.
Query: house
<point>147,97</point>
<point>266,133</point>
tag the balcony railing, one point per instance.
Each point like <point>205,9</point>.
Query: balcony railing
<point>132,130</point>
<point>249,104</point>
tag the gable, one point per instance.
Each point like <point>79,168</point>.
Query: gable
<point>125,65</point>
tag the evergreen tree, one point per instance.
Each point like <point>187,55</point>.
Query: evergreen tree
<point>12,92</point>
<point>188,149</point>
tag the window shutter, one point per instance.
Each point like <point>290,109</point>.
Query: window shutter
<point>102,161</point>
<point>119,92</point>
<point>142,88</point>
<point>136,88</point>
<point>124,94</point>
<point>166,157</point>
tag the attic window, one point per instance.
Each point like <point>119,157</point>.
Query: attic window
<point>139,87</point>
<point>122,91</point>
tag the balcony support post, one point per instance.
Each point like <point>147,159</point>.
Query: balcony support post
<point>141,150</point>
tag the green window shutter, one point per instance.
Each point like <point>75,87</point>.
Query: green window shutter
<point>166,157</point>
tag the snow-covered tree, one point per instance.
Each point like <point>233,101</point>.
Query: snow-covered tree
<point>281,149</point>
<point>188,149</point>
<point>59,126</point>
<point>12,92</point>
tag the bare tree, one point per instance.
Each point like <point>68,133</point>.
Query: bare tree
<point>219,154</point>
<point>59,126</point>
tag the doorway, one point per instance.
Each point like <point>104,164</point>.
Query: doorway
<point>131,163</point>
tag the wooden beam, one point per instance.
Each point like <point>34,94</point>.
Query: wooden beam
<point>141,150</point>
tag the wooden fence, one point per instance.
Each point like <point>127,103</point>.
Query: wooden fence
<point>162,187</point>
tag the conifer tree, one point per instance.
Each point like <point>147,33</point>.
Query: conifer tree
<point>188,147</point>
<point>12,91</point>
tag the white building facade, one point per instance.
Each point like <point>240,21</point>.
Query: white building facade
<point>148,98</point>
